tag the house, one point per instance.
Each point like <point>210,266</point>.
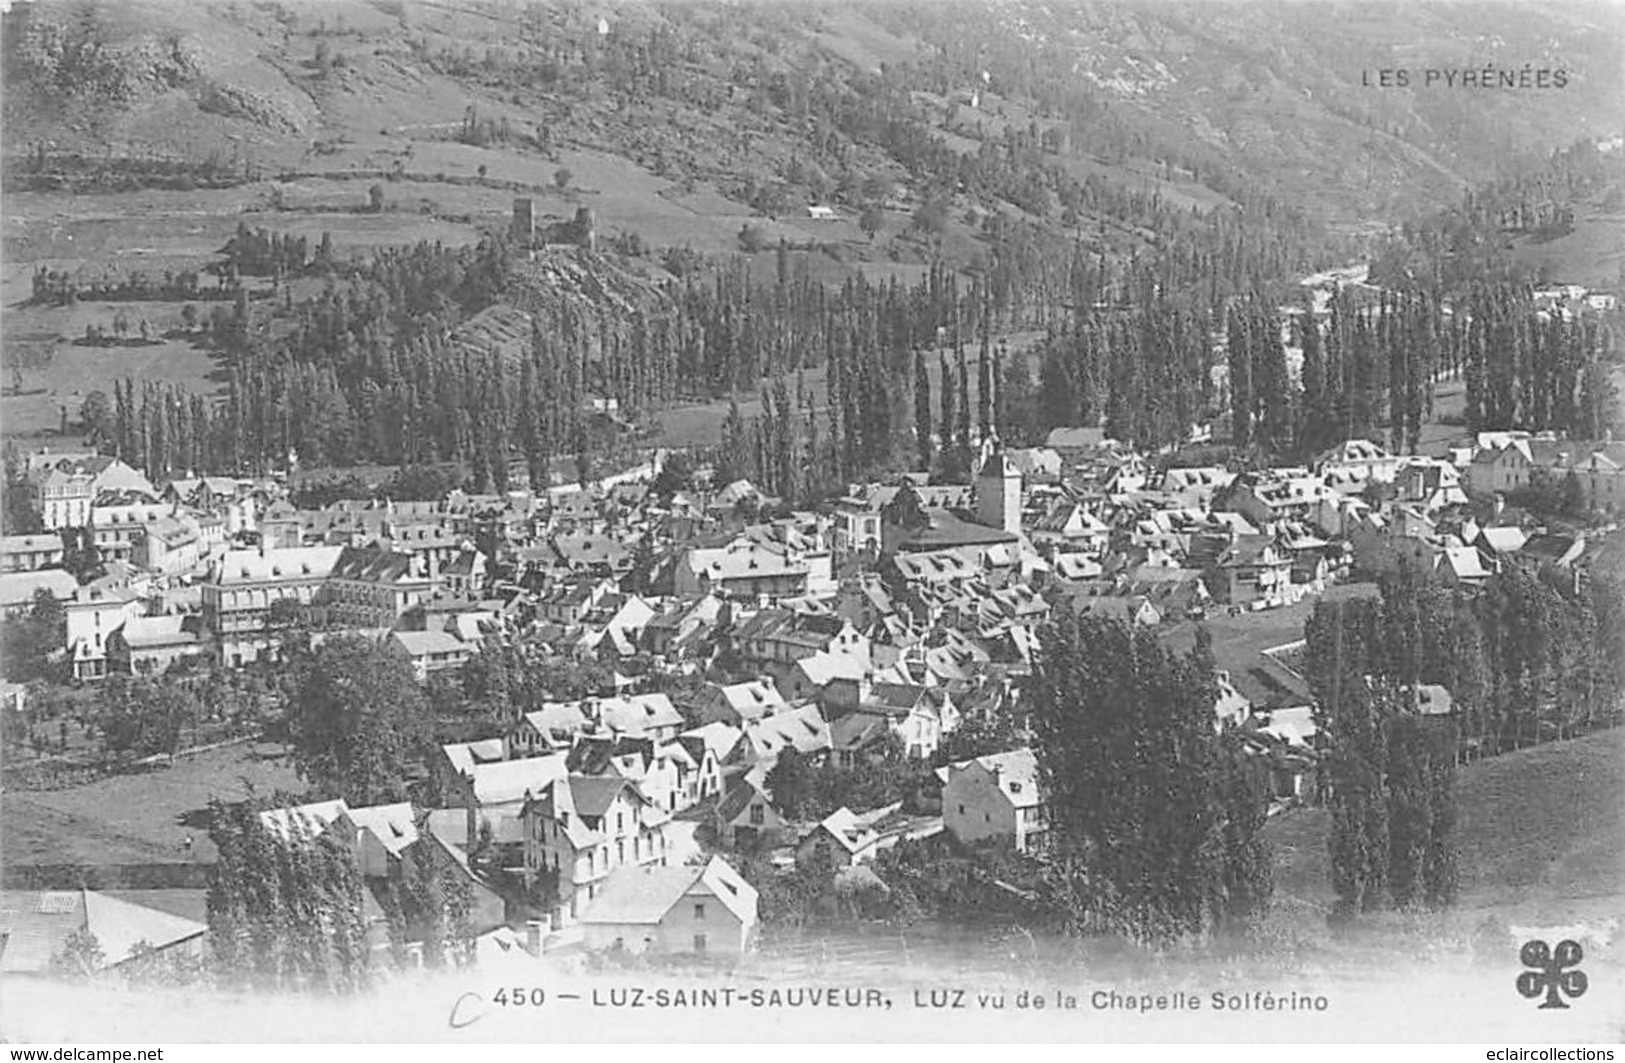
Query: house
<point>810,675</point>
<point>1429,485</point>
<point>678,631</point>
<point>709,747</point>
<point>94,612</point>
<point>570,602</point>
<point>63,487</point>
<point>1073,443</point>
<point>150,645</point>
<point>379,836</point>
<point>17,589</point>
<point>242,594</point>
<point>1037,463</point>
<point>493,795</point>
<point>1359,459</point>
<point>1460,565</point>
<point>312,819</point>
<point>579,828</point>
<point>745,817</point>
<point>745,568</point>
<point>1066,527</point>
<point>35,927</point>
<point>170,545</point>
<point>1253,568</point>
<point>817,212</point>
<point>1195,485</point>
<point>649,715</point>
<point>845,838</point>
<point>738,703</point>
<point>995,799</point>
<point>1499,470</point>
<point>863,713</point>
<point>704,910</point>
<point>552,728</point>
<point>780,637</point>
<point>664,773</point>
<point>431,651</point>
<point>1135,610</point>
<point>803,729</point>
<point>27,553</point>
<point>436,857</point>
<point>589,554</point>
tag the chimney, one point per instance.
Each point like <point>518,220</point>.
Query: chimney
<point>534,932</point>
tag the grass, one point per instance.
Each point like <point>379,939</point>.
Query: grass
<point>74,371</point>
<point>138,818</point>
<point>1538,835</point>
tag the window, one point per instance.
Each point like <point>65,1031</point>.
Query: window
<point>758,815</point>
<point>699,912</point>
<point>961,810</point>
<point>699,942</point>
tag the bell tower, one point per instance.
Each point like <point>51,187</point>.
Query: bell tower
<point>998,493</point>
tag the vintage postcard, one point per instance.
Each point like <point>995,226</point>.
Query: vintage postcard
<point>845,520</point>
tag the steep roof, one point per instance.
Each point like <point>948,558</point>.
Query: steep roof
<point>1016,772</point>
<point>293,562</point>
<point>35,925</point>
<point>643,895</point>
<point>314,817</point>
<point>507,781</point>
<point>393,825</point>
<point>17,588</point>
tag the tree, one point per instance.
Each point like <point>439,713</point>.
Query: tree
<point>922,411</point>
<point>30,640</point>
<point>871,220</point>
<point>96,414</point>
<point>1134,775</point>
<point>932,217</point>
<point>751,238</point>
<point>144,717</point>
<point>1421,810</point>
<point>80,956</point>
<point>375,198</point>
<point>791,782</point>
<point>284,906</point>
<point>357,720</point>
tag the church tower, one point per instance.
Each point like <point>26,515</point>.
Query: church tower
<point>998,493</point>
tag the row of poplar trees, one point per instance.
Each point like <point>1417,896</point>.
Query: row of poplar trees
<point>1531,656</point>
<point>285,907</point>
<point>1155,820</point>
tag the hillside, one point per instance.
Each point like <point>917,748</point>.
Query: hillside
<point>678,121</point>
<point>1043,151</point>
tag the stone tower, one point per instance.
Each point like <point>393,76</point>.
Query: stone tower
<point>998,493</point>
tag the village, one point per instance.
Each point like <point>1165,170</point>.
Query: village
<point>725,634</point>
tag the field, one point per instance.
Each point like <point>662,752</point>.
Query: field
<point>73,370</point>
<point>1539,836</point>
<point>141,818</point>
<point>1592,255</point>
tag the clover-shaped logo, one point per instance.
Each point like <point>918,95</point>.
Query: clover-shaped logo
<point>1551,974</point>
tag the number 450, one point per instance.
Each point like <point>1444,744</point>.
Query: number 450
<point>519,997</point>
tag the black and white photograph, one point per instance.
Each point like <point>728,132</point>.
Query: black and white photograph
<point>875,521</point>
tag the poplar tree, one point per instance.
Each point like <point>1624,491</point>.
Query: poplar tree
<point>922,411</point>
<point>1148,814</point>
